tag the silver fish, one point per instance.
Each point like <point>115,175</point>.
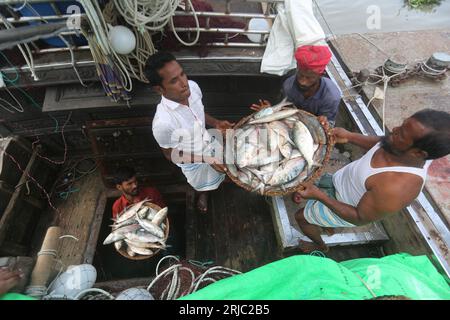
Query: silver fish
<point>142,212</point>
<point>233,170</point>
<point>305,143</point>
<point>268,138</point>
<point>148,245</point>
<point>150,214</point>
<point>261,175</point>
<point>142,236</point>
<point>151,227</point>
<point>113,237</point>
<point>288,172</point>
<point>256,156</point>
<point>270,110</point>
<point>285,148</point>
<point>315,128</point>
<point>125,223</point>
<point>130,212</point>
<point>160,216</point>
<point>118,244</point>
<point>275,116</point>
<point>300,178</point>
<point>130,252</point>
<point>245,154</point>
<point>119,234</point>
<point>139,250</point>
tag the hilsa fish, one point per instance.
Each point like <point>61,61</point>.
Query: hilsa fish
<point>270,110</point>
<point>275,116</point>
<point>305,143</point>
<point>130,212</point>
<point>160,216</point>
<point>287,172</point>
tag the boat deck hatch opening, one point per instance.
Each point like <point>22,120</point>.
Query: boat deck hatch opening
<point>111,265</point>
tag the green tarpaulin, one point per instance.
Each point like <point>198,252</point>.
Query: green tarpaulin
<point>15,296</point>
<point>310,277</point>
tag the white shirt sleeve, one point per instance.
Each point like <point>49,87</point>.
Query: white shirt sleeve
<point>163,135</point>
<point>195,88</point>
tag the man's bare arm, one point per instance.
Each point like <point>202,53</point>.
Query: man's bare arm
<point>350,213</point>
<point>210,120</point>
<point>218,124</point>
<point>182,157</point>
<point>379,201</point>
<point>185,157</point>
<point>344,136</point>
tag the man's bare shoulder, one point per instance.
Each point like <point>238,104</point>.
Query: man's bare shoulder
<point>394,179</point>
<point>394,189</point>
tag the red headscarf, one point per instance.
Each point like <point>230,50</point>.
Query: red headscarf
<point>313,58</point>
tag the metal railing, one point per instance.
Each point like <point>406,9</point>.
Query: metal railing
<point>220,37</point>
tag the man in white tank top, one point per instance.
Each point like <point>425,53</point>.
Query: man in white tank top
<point>382,182</point>
<point>179,126</point>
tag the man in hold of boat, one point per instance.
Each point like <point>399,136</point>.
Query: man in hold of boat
<point>308,89</point>
<point>8,279</point>
<point>127,183</point>
<point>179,125</point>
<point>385,180</point>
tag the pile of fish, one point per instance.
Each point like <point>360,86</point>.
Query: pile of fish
<point>139,230</point>
<point>276,149</point>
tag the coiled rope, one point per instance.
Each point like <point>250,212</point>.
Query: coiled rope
<point>154,15</point>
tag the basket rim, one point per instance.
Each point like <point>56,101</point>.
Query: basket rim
<point>317,172</point>
<point>124,253</point>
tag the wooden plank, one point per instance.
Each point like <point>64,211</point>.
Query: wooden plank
<point>76,215</point>
<point>9,211</point>
<point>191,224</point>
<point>89,253</point>
<point>237,232</point>
<point>404,236</point>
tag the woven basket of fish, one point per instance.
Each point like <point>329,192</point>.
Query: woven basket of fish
<point>276,149</point>
<point>140,231</point>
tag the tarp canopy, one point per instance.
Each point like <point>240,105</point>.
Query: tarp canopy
<point>306,277</point>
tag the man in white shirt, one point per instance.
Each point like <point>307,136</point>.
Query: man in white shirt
<point>179,125</point>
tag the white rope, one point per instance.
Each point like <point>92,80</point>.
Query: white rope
<point>151,15</point>
<point>47,252</point>
<point>197,24</point>
<point>100,30</point>
<point>430,71</point>
<point>162,274</point>
<point>154,15</point>
<point>166,257</point>
<point>97,290</point>
<point>68,45</point>
<point>20,8</point>
<point>69,236</point>
<point>24,49</point>
<point>143,50</point>
<point>226,271</point>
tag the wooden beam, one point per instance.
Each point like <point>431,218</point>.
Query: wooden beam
<point>89,252</point>
<point>9,211</point>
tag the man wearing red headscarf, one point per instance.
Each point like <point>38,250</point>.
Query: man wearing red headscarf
<point>308,89</point>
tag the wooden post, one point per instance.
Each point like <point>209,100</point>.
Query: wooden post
<point>44,263</point>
